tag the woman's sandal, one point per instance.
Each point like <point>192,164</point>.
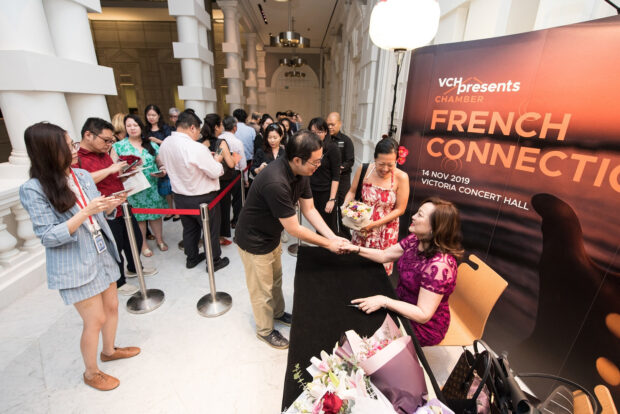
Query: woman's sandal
<point>147,253</point>
<point>162,246</point>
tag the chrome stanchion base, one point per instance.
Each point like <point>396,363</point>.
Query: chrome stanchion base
<point>207,307</point>
<point>293,249</point>
<point>139,304</point>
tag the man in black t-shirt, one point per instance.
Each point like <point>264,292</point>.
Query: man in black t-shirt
<point>269,208</point>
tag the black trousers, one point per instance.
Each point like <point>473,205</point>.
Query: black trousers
<point>232,197</point>
<point>320,200</point>
<point>343,189</point>
<point>119,231</point>
<point>192,225</point>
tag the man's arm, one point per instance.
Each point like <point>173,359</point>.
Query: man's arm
<point>292,226</point>
<point>312,215</point>
<point>100,175</point>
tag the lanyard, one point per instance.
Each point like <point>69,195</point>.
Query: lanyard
<point>77,184</point>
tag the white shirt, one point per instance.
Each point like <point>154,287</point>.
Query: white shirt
<point>235,145</point>
<point>190,165</point>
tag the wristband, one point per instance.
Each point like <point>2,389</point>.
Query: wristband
<point>331,199</point>
<point>359,249</point>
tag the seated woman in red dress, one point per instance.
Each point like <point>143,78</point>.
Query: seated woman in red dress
<point>427,265</point>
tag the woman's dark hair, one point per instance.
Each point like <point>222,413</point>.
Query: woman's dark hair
<point>271,127</point>
<point>288,121</point>
<point>319,123</point>
<point>160,120</point>
<point>262,121</point>
<point>208,129</point>
<point>50,156</point>
<point>302,145</point>
<point>386,146</point>
<point>146,143</point>
<point>446,234</point>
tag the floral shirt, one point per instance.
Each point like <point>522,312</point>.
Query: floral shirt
<point>436,274</point>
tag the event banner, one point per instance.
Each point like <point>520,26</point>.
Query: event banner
<point>522,133</point>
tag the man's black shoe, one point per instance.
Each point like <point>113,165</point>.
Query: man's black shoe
<point>275,340</point>
<point>285,319</point>
<point>190,264</point>
<point>219,264</point>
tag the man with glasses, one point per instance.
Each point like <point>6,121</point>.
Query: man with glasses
<point>93,156</point>
<point>269,208</point>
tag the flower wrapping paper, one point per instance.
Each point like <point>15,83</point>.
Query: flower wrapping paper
<point>394,369</point>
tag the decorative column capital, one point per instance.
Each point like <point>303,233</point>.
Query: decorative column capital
<point>228,6</point>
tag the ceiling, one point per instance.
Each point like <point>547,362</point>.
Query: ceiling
<point>311,18</point>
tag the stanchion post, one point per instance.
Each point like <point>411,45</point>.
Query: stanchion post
<point>243,188</point>
<point>215,303</point>
<point>145,300</point>
<point>293,249</point>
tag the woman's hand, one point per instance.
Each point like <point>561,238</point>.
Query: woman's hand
<point>369,227</point>
<point>372,303</point>
<point>329,206</point>
<point>99,204</point>
<point>160,174</point>
<point>350,248</point>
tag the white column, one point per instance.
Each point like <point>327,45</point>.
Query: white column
<point>232,47</point>
<point>251,81</point>
<point>70,31</point>
<point>24,228</point>
<point>262,81</point>
<point>25,39</point>
<point>196,59</point>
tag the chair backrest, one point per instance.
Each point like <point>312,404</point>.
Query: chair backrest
<point>475,294</point>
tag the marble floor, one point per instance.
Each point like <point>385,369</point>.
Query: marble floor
<point>188,364</point>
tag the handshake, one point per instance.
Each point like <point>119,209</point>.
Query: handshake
<point>340,245</point>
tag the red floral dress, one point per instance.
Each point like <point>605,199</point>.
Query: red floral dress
<point>383,200</point>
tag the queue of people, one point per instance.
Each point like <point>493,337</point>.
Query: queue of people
<point>75,192</point>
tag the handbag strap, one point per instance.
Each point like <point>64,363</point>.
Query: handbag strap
<point>358,191</point>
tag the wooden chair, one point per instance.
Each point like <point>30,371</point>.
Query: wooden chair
<point>474,296</point>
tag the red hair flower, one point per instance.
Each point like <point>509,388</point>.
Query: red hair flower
<point>402,155</point>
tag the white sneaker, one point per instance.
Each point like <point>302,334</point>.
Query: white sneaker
<point>127,289</point>
<point>146,271</point>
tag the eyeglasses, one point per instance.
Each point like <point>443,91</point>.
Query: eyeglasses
<point>316,131</point>
<point>107,141</point>
<point>316,163</point>
<point>75,146</point>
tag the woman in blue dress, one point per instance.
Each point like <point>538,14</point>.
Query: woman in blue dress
<point>67,213</point>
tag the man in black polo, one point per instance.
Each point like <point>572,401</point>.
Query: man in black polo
<point>347,159</point>
<point>269,208</point>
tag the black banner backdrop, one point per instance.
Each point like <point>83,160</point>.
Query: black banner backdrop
<point>522,133</point>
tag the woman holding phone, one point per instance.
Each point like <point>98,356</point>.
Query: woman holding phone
<point>67,213</point>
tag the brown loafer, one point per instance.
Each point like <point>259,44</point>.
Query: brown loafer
<point>102,382</point>
<point>120,353</point>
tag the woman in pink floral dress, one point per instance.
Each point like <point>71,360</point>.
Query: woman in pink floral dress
<point>385,188</point>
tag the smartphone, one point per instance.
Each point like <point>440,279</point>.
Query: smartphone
<point>120,192</point>
<point>130,165</point>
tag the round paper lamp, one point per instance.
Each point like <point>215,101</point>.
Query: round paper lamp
<point>403,24</point>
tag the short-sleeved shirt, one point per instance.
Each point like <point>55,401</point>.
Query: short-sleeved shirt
<point>94,161</point>
<point>436,274</point>
<point>272,196</point>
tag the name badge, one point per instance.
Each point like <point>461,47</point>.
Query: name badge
<point>99,242</point>
<point>340,144</point>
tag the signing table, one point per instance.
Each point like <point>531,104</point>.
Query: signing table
<point>324,284</point>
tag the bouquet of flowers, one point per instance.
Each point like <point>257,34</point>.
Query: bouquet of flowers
<point>389,359</point>
<point>338,386</point>
<point>356,215</point>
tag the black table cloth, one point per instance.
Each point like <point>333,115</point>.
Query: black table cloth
<point>324,284</point>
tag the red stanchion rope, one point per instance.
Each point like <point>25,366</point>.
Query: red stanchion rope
<point>191,212</point>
